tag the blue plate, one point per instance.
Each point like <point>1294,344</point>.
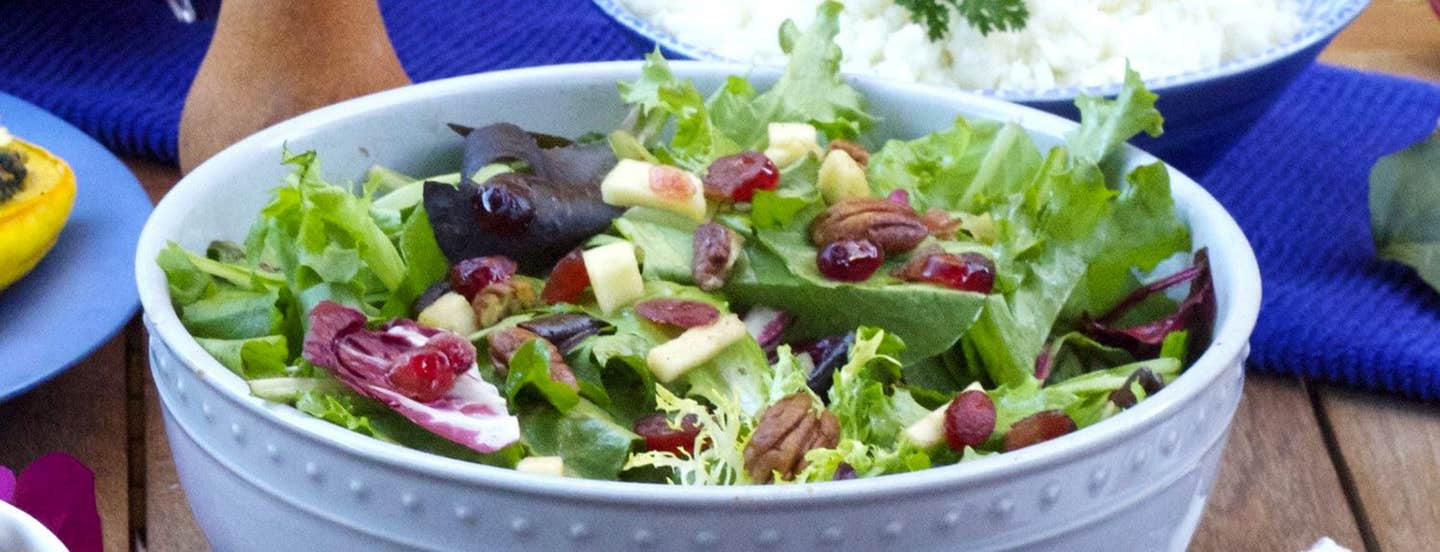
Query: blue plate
<point>84,290</point>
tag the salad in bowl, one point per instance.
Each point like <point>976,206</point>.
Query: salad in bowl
<point>739,288</point>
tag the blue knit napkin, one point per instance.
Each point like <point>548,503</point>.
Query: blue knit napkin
<point>1296,184</point>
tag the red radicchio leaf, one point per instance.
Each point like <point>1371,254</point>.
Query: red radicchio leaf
<point>59,492</point>
<point>1195,314</point>
<point>471,412</point>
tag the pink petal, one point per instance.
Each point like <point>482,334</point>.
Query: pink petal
<point>7,485</point>
<point>59,491</point>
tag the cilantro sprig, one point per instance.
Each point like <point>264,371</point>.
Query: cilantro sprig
<point>985,15</point>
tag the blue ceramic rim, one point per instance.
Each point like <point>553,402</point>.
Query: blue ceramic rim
<point>1322,19</point>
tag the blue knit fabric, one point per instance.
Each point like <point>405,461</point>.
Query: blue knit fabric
<point>1297,184</point>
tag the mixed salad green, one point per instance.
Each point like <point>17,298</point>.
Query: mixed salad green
<point>709,295</point>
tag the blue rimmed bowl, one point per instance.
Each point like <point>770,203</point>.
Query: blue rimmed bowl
<point>1206,111</point>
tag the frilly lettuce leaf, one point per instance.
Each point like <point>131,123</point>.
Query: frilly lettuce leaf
<point>812,89</point>
<point>734,118</point>
<point>724,428</point>
<point>867,460</point>
<point>865,397</point>
<point>1106,124</point>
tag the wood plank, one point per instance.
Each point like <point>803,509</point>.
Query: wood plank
<point>1391,449</point>
<point>81,412</point>
<point>1399,37</point>
<point>1277,489</point>
<point>170,526</point>
<point>157,178</point>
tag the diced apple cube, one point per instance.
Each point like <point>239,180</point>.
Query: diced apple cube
<point>790,142</point>
<point>841,178</point>
<point>638,183</point>
<point>542,465</point>
<point>614,275</point>
<point>928,431</point>
<point>672,359</point>
<point>450,312</point>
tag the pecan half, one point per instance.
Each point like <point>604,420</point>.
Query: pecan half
<point>502,299</point>
<point>716,249</point>
<point>854,150</point>
<point>504,342</point>
<point>787,430</point>
<point>896,228</point>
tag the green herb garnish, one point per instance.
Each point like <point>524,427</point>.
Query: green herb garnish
<point>985,15</point>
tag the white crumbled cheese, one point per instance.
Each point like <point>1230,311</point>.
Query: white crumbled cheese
<point>5,136</point>
<point>1065,43</point>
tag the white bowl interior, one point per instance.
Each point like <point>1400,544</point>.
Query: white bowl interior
<point>406,130</point>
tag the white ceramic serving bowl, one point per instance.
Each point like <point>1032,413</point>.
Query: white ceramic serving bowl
<point>19,532</point>
<point>261,476</point>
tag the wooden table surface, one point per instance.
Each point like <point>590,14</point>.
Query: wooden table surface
<point>1303,461</point>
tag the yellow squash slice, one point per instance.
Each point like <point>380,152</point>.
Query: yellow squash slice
<point>33,214</point>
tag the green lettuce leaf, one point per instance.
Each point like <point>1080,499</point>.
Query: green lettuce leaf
<point>589,441</point>
<point>233,314</point>
<point>529,368</point>
<point>1405,208</point>
<point>964,168</point>
<point>258,357</point>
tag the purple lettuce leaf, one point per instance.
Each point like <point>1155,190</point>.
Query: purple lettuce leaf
<point>471,413</point>
<point>1196,314</point>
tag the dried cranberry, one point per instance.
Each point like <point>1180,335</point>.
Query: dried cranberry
<point>424,375</point>
<point>849,260</point>
<point>737,177</point>
<point>567,280</point>
<point>504,205</point>
<point>969,420</point>
<point>678,312</point>
<point>1037,428</point>
<point>660,437</point>
<point>470,276</point>
<point>969,271</point>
